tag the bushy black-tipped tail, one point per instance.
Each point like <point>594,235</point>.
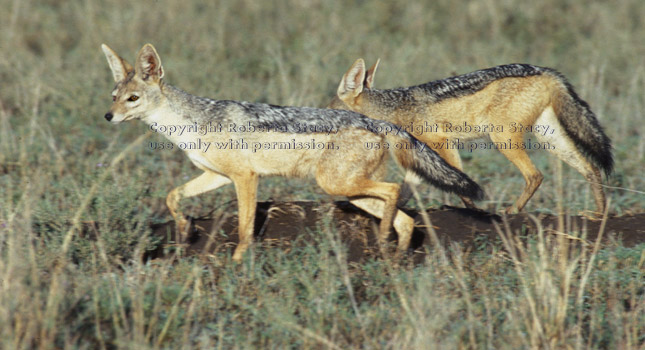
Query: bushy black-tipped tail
<point>582,126</point>
<point>427,164</point>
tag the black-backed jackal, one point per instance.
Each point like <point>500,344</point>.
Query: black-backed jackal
<point>502,103</point>
<point>238,142</point>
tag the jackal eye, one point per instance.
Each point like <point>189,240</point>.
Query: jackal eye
<point>133,98</point>
<point>113,98</point>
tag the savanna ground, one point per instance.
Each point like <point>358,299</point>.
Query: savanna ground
<point>84,263</point>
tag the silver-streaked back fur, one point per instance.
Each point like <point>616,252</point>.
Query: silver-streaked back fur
<point>577,119</point>
<point>426,162</point>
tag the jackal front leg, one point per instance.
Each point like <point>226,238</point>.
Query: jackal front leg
<point>203,183</point>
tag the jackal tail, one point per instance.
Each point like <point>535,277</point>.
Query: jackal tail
<point>428,165</point>
<point>582,126</point>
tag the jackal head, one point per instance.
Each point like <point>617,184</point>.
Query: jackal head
<point>137,93</point>
<point>352,85</point>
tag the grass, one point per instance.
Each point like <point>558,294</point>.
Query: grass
<point>62,168</point>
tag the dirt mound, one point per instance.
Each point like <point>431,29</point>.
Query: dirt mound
<point>282,223</point>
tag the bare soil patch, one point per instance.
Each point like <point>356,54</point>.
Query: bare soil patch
<point>281,225</point>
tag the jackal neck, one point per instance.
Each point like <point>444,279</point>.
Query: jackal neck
<point>381,103</point>
<point>190,108</point>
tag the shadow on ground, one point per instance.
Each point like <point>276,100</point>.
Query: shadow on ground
<point>278,225</point>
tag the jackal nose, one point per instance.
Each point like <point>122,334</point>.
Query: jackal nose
<point>108,116</point>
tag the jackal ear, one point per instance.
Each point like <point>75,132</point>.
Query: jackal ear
<point>352,83</point>
<point>369,76</point>
<point>120,67</point>
<point>149,63</point>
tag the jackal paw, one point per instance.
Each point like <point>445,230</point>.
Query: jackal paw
<point>511,210</point>
<point>183,226</point>
<point>239,252</point>
<point>468,203</point>
<point>592,215</point>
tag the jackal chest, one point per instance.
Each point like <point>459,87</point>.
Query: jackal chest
<point>202,162</point>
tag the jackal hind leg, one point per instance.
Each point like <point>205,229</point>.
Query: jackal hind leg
<point>246,187</point>
<point>408,186</point>
<point>563,147</point>
<point>532,176</point>
<point>351,176</point>
<point>388,193</point>
<point>205,182</point>
<point>596,185</point>
<point>403,224</point>
<point>591,173</point>
<point>357,186</point>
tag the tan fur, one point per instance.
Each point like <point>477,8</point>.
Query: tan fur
<point>529,101</point>
<point>350,170</point>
